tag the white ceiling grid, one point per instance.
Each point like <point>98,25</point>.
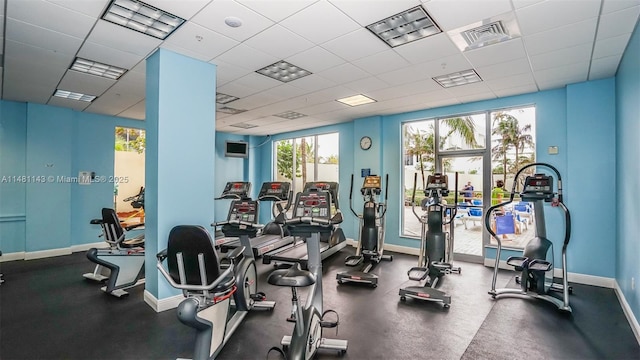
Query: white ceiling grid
<point>561,42</point>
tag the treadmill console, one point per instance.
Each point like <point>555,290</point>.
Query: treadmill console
<point>437,182</point>
<point>329,186</point>
<point>243,210</point>
<point>315,204</point>
<point>236,190</point>
<point>538,187</point>
<point>274,191</point>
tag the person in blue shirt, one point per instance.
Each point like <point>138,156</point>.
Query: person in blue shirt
<point>467,192</point>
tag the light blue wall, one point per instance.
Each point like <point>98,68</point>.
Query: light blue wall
<point>13,145</point>
<point>560,118</point>
<point>628,172</point>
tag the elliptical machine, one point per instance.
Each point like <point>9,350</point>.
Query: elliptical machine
<point>208,284</point>
<point>371,241</point>
<point>436,246</point>
<point>536,263</point>
<point>311,217</point>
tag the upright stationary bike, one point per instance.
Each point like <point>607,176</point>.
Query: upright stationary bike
<point>218,295</point>
<point>371,241</point>
<point>536,263</point>
<point>311,217</point>
<point>436,246</point>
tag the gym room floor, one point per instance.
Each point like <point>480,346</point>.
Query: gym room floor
<point>48,311</point>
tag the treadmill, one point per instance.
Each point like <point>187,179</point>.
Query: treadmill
<point>330,243</point>
<point>273,235</point>
<point>235,190</point>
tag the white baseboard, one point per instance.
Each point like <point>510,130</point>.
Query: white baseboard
<point>633,322</point>
<point>584,279</point>
<point>163,304</point>
<point>31,255</point>
<point>85,247</point>
<point>12,256</point>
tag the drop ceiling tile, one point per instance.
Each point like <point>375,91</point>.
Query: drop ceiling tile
<point>257,81</point>
<point>403,76</point>
<point>343,73</point>
<point>320,22</point>
<point>321,108</point>
<point>181,8</point>
<point>367,84</point>
<point>136,112</point>
<point>315,59</point>
<point>253,101</point>
<point>90,8</point>
<point>552,14</point>
<point>68,103</point>
<point>609,6</point>
<point>368,12</point>
<point>113,102</point>
<point>108,55</point>
<point>212,17</point>
<point>17,88</point>
<point>25,60</point>
<point>226,72</point>
<point>235,89</point>
<point>560,57</point>
<point>610,46</point>
<point>279,42</point>
<point>131,84</point>
<point>443,66</point>
<point>50,16</point>
<point>518,90</point>
<point>559,76</point>
<point>276,10</point>
<point>560,38</point>
<point>517,4</point>
<point>604,67</point>
<point>464,99</point>
<point>313,82</point>
<point>356,45</point>
<point>505,69</point>
<point>517,80</point>
<point>285,91</point>
<point>427,49</point>
<point>501,52</point>
<point>448,16</point>
<point>85,83</point>
<point>618,23</point>
<point>179,50</point>
<point>247,57</point>
<point>381,62</point>
<point>119,37</point>
<point>198,39</point>
<point>40,37</point>
<point>469,89</point>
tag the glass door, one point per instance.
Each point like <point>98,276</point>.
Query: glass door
<point>468,223</point>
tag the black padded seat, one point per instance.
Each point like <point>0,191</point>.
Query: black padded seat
<point>191,240</point>
<point>292,277</point>
<point>114,230</point>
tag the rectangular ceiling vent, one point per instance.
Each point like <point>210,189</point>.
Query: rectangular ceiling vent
<point>244,125</point>
<point>486,35</point>
<point>228,110</point>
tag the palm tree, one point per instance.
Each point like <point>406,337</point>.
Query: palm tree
<point>463,127</point>
<point>511,135</point>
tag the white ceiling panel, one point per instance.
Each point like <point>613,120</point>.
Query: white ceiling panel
<point>276,10</point>
<point>447,14</point>
<point>213,15</point>
<point>381,62</point>
<point>551,14</point>
<point>85,83</point>
<point>618,23</point>
<point>41,37</point>
<point>279,42</point>
<point>71,104</point>
<point>562,37</point>
<point>320,22</point>
<point>368,12</point>
<point>246,57</point>
<point>315,59</point>
<point>328,38</point>
<point>203,41</point>
<point>51,16</point>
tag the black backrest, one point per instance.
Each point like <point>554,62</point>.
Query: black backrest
<point>191,240</point>
<point>111,224</point>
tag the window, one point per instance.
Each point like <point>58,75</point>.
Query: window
<point>315,158</point>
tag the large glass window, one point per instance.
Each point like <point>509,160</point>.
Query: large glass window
<point>304,159</point>
<point>480,148</point>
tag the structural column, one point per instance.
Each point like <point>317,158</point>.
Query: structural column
<point>180,152</point>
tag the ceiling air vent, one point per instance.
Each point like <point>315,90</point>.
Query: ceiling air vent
<point>486,35</point>
<point>244,125</point>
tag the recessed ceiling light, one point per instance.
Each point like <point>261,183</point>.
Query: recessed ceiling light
<point>283,71</point>
<point>228,110</point>
<point>138,16</point>
<point>98,69</point>
<point>356,100</point>
<point>290,115</point>
<point>405,27</point>
<point>458,78</point>
<point>224,98</point>
<point>73,95</point>
<point>244,125</point>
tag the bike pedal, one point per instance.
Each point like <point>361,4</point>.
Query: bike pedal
<point>260,296</point>
<point>291,319</point>
<point>328,324</point>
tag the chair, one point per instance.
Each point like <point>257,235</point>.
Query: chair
<point>525,211</point>
<point>473,215</point>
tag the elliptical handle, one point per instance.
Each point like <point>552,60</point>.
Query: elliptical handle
<point>351,199</point>
<point>413,196</point>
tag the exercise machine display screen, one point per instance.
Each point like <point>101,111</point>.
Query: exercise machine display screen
<point>236,189</point>
<point>244,210</point>
<point>538,183</point>
<point>313,204</point>
<point>438,181</point>
<point>372,182</point>
<point>275,190</point>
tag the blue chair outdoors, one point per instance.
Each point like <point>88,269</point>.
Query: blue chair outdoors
<point>474,215</point>
<point>524,210</point>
